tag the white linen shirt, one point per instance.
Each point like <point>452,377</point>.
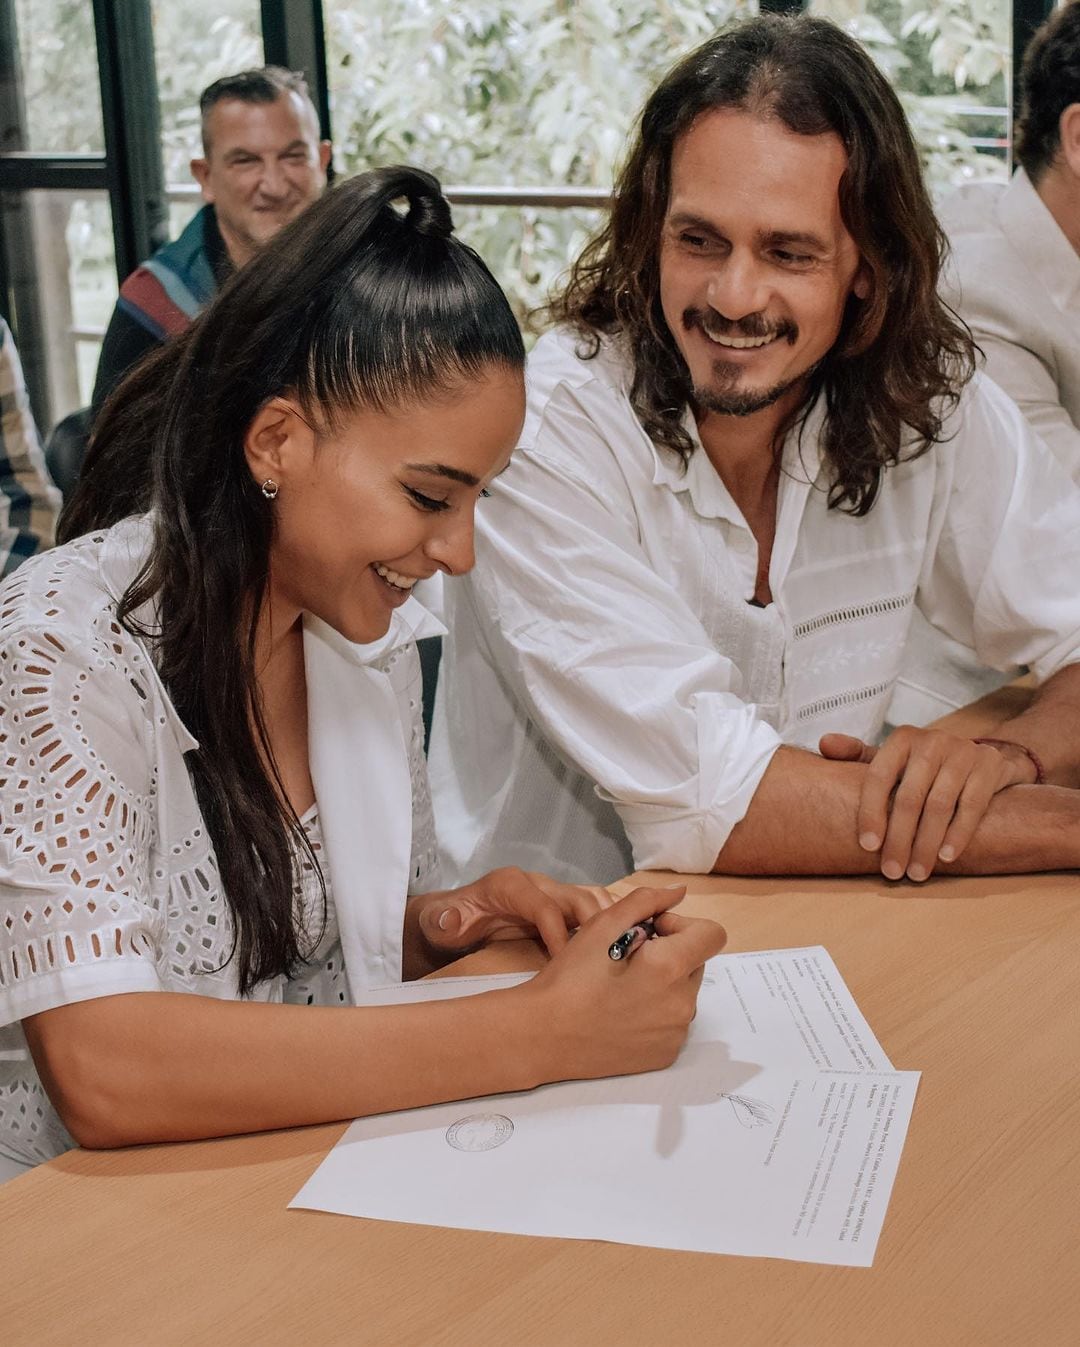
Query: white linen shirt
<point>108,881</point>
<point>1015,278</point>
<point>609,698</point>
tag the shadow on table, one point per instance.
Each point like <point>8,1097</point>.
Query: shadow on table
<point>703,1074</point>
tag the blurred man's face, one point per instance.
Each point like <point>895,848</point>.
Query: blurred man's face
<point>264,164</point>
<point>756,263</point>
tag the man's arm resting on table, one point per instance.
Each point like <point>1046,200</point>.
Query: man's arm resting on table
<point>926,793</point>
<point>803,821</point>
<point>1050,727</point>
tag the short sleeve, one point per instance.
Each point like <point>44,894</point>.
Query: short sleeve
<point>77,814</point>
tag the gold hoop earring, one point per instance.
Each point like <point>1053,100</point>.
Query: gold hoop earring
<point>270,489</point>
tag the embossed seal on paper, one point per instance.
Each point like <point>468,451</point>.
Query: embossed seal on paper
<point>479,1132</point>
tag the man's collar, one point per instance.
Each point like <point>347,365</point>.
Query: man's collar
<point>801,460</point>
<point>217,254</point>
<point>697,476</point>
<point>1040,240</point>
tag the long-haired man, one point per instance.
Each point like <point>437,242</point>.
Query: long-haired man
<point>755,449</point>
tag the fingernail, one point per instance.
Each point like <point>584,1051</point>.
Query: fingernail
<point>917,872</point>
<point>947,853</point>
<point>449,919</point>
<point>892,870</point>
<point>869,841</point>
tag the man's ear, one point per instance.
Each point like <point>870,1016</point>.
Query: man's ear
<point>325,151</point>
<point>278,442</point>
<point>200,171</point>
<point>1069,131</point>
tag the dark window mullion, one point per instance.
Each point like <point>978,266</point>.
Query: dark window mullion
<point>132,125</point>
<point>25,171</point>
<point>294,36</point>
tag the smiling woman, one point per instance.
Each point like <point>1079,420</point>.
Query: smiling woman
<point>213,791</point>
<point>419,513</point>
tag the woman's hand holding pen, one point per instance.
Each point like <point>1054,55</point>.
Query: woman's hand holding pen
<point>597,1016</point>
<point>585,1014</point>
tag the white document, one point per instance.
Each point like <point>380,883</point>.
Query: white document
<point>777,1133</point>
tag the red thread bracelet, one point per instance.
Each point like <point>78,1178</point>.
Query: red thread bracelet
<point>1040,775</point>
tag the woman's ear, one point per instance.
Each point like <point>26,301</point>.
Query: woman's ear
<point>278,441</point>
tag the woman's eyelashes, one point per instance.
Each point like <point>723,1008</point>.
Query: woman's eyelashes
<point>423,502</point>
<point>431,503</point>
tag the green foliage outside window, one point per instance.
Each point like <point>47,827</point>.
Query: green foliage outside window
<point>544,92</point>
<point>527,93</point>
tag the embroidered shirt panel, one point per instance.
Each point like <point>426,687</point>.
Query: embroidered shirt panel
<point>108,880</point>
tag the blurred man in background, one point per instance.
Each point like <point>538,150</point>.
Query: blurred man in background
<point>28,500</point>
<point>1016,248</point>
<point>262,164</point>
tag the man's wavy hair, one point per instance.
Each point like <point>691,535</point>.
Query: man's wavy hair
<point>902,357</point>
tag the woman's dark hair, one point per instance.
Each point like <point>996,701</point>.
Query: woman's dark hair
<point>902,357</point>
<point>1049,82</point>
<point>366,301</point>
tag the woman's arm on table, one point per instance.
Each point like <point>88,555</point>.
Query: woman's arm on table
<point>158,1066</point>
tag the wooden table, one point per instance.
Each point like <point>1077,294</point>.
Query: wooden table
<point>974,981</point>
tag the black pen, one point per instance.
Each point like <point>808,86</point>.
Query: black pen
<point>629,940</point>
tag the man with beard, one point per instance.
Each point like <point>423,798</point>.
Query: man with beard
<point>755,447</point>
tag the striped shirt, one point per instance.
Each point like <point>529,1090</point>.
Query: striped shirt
<point>29,503</point>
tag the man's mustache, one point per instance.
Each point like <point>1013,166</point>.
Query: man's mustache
<point>753,326</point>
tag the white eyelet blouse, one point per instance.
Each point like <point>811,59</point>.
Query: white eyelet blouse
<point>108,881</point>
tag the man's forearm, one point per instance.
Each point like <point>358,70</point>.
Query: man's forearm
<point>802,821</point>
<point>1050,727</point>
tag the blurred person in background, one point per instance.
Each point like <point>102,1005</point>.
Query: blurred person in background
<point>1015,277</point>
<point>262,164</point>
<point>29,503</point>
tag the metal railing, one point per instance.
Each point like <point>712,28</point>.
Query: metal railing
<point>551,198</point>
<point>556,198</point>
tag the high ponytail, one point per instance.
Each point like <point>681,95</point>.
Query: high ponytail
<point>366,301</point>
